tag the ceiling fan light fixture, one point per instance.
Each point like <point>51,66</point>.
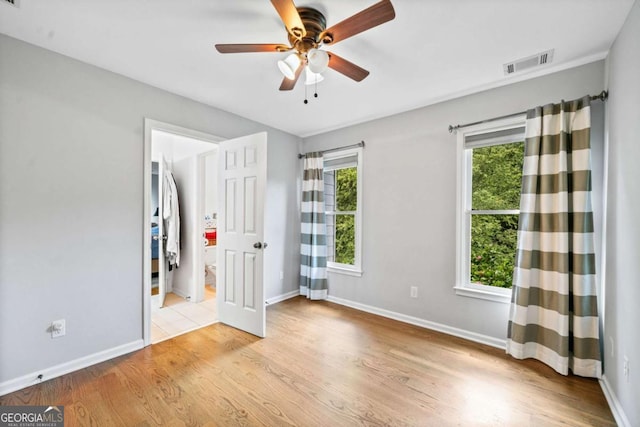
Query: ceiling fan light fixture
<point>318,60</point>
<point>312,78</point>
<point>289,65</point>
<point>306,31</point>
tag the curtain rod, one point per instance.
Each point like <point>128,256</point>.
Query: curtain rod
<point>602,97</point>
<point>359,144</point>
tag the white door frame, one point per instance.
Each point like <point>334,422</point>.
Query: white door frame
<point>149,126</point>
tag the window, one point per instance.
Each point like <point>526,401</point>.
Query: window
<point>489,181</point>
<point>342,198</point>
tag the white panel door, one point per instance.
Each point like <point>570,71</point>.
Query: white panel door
<point>242,182</point>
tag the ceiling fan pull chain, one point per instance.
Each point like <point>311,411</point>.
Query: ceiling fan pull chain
<point>305,94</point>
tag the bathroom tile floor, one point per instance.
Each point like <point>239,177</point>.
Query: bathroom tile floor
<point>179,316</point>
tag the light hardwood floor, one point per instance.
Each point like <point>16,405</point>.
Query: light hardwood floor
<point>321,365</point>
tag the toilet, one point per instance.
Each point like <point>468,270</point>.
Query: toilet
<point>210,265</point>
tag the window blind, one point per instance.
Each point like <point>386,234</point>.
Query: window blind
<point>501,136</point>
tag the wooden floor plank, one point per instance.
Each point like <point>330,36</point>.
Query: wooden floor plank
<point>321,365</point>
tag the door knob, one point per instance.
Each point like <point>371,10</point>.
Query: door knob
<point>257,245</point>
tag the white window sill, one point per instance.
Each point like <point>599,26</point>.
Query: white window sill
<point>345,271</point>
<point>499,295</point>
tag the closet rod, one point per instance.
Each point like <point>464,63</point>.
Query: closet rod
<point>359,144</point>
<point>602,97</point>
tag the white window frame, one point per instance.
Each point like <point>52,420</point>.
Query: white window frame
<point>463,286</point>
<point>356,268</point>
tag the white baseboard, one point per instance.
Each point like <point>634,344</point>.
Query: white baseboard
<point>184,295</point>
<point>283,297</point>
<point>64,368</point>
<point>450,330</point>
<point>614,403</point>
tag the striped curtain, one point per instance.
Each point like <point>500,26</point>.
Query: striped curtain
<point>554,315</point>
<point>313,249</point>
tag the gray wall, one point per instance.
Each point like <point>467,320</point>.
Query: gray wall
<point>409,200</point>
<point>622,315</point>
<point>184,173</point>
<point>71,200</point>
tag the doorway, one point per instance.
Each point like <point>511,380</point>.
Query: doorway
<point>175,298</point>
<point>242,180</point>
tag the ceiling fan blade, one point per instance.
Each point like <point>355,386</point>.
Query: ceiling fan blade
<point>290,16</point>
<point>288,84</point>
<point>373,16</point>
<point>243,48</point>
<point>347,68</point>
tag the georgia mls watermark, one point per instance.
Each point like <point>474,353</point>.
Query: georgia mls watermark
<point>31,416</point>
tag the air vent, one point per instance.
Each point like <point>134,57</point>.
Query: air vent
<point>530,62</point>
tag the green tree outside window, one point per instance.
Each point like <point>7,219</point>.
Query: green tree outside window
<point>346,197</point>
<point>496,182</point>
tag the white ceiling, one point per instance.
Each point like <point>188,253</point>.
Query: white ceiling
<point>432,51</point>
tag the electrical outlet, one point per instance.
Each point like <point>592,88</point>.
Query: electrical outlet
<point>58,328</point>
<point>625,367</point>
<point>414,292</point>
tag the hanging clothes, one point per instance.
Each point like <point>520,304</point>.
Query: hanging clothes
<point>171,215</point>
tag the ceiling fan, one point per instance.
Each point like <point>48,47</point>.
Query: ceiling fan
<point>307,32</point>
